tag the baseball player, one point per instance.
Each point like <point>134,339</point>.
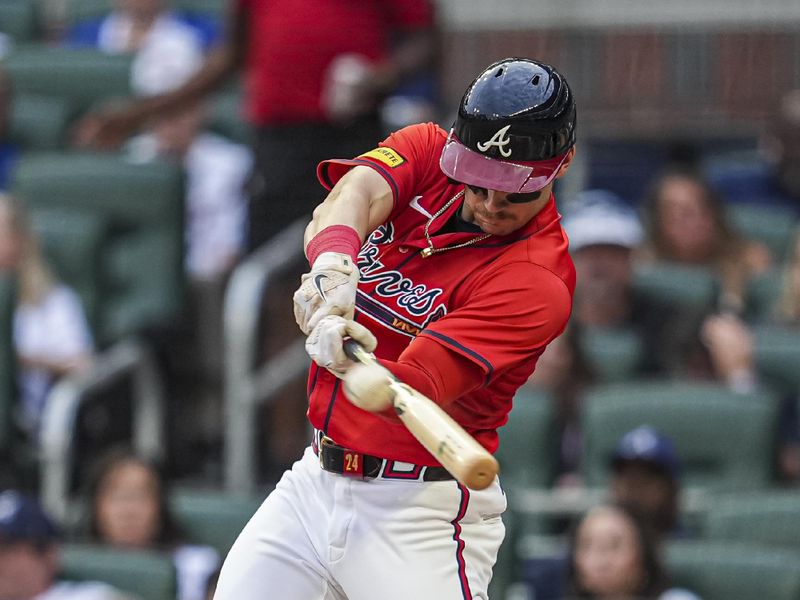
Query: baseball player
<point>443,253</point>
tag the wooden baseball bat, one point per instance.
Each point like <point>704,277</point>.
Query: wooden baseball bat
<point>456,450</point>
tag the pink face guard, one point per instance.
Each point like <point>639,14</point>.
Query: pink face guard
<point>467,166</point>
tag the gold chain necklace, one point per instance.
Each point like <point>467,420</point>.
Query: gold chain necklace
<point>426,252</point>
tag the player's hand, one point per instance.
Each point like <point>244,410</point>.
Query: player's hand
<point>328,289</point>
<point>368,387</point>
<point>325,343</point>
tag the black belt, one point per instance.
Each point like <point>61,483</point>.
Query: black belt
<point>343,461</point>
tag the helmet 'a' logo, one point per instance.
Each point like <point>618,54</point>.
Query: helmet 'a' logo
<point>499,139</point>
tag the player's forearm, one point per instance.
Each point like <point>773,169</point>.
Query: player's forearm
<point>433,370</point>
<point>361,199</point>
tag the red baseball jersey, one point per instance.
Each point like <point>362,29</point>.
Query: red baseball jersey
<point>497,302</point>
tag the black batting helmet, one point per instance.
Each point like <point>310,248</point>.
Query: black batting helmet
<point>519,111</point>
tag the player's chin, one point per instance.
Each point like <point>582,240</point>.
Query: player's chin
<point>497,227</point>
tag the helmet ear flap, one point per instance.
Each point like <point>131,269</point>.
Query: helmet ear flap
<point>518,109</point>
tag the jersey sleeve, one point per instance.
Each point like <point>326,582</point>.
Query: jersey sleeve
<point>507,319</point>
<point>408,160</point>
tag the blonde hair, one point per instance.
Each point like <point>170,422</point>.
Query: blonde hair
<point>35,277</point>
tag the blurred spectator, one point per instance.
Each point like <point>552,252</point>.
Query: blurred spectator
<point>772,175</point>
<point>563,371</point>
<point>216,172</point>
<point>158,37</point>
<point>312,89</point>
<point>165,48</point>
<point>8,150</point>
<point>645,474</point>
<point>687,225</point>
<point>614,554</point>
<point>603,234</point>
<point>29,559</point>
<point>729,344</point>
<point>51,334</point>
<point>128,509</point>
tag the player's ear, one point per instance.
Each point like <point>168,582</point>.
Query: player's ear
<point>567,162</point>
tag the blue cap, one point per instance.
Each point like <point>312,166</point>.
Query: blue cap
<point>645,444</point>
<point>22,519</point>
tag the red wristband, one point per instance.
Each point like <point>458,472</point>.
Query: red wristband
<point>334,238</point>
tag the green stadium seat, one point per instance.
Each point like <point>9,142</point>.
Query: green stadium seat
<point>141,265</point>
<point>723,571</point>
<point>80,10</point>
<point>725,440</point>
<point>777,356</point>
<point>528,452</point>
<point>612,354</point>
<point>73,243</point>
<point>762,296</point>
<point>212,518</point>
<point>691,288</point>
<point>39,122</point>
<point>210,8</point>
<point>19,19</point>
<point>773,226</point>
<point>149,575</point>
<point>82,77</point>
<point>767,518</point>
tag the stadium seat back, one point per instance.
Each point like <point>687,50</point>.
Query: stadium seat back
<point>19,19</point>
<point>724,440</point>
<point>612,354</point>
<point>688,288</point>
<point>141,265</point>
<point>82,77</point>
<point>39,122</point>
<point>773,226</point>
<point>212,518</point>
<point>762,296</point>
<point>528,452</point>
<point>733,572</point>
<point>73,243</point>
<point>148,575</point>
<point>777,356</point>
<point>768,518</point>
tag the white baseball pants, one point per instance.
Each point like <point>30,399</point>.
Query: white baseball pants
<point>323,536</point>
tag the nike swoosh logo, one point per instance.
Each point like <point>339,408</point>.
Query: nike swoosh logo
<point>415,205</point>
<point>318,286</point>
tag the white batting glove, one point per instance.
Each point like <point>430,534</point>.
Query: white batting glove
<point>325,344</point>
<point>368,387</point>
<point>328,289</point>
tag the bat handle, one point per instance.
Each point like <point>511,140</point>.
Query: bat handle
<point>355,351</point>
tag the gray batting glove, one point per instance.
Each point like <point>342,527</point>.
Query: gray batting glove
<point>325,345</point>
<point>328,289</point>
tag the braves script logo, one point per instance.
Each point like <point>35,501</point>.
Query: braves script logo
<point>417,299</point>
<point>499,139</point>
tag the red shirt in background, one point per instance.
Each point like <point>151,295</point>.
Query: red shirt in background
<point>292,42</point>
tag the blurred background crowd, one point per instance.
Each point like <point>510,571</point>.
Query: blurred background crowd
<point>157,167</point>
